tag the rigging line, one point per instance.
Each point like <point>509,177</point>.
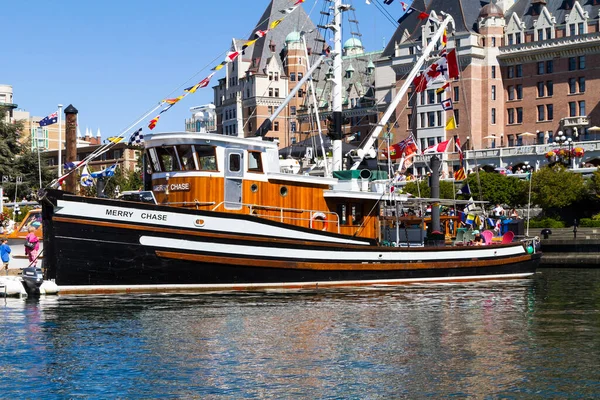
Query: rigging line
<point>385,13</point>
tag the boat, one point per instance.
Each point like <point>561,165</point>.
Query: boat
<point>221,215</point>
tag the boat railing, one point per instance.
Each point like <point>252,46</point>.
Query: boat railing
<point>255,210</point>
<point>194,203</point>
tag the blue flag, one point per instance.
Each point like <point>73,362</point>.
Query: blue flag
<point>105,173</point>
<point>49,120</point>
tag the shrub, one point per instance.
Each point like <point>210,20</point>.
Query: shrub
<point>589,222</point>
<point>546,223</point>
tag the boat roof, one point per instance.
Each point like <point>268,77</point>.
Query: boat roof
<point>214,139</point>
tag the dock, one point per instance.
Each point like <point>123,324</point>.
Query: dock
<point>564,249</point>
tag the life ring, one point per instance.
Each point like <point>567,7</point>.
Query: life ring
<point>319,216</point>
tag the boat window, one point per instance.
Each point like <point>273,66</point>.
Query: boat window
<point>186,155</point>
<point>33,219</point>
<point>167,158</point>
<point>207,159</point>
<point>153,157</point>
<point>254,162</point>
<point>235,162</point>
<point>356,214</point>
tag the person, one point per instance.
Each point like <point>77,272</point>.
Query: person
<point>514,213</point>
<point>5,253</point>
<point>478,240</point>
<point>33,252</point>
<point>498,211</point>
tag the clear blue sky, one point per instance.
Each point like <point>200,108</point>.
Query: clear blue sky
<point>114,60</point>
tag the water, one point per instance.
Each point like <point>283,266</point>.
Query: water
<point>537,338</point>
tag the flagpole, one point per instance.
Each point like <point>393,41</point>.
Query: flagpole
<point>59,141</point>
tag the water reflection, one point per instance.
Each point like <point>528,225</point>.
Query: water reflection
<point>516,339</point>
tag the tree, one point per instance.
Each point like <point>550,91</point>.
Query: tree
<point>17,160</point>
<point>498,189</point>
<point>422,189</point>
<point>554,189</point>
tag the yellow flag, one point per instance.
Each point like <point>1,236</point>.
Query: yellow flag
<point>451,124</point>
<point>275,23</point>
<point>218,67</point>
<point>114,139</point>
<point>250,43</point>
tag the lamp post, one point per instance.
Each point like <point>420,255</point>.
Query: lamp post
<point>562,140</point>
<point>528,170</point>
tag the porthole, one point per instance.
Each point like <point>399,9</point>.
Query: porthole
<point>254,188</point>
<point>283,191</point>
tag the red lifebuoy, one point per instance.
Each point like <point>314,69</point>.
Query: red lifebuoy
<point>319,216</point>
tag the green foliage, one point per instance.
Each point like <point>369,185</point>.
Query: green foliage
<point>589,223</point>
<point>498,189</point>
<point>556,188</point>
<point>422,189</point>
<point>546,223</point>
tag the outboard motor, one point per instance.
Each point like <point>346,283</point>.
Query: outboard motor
<point>32,280</point>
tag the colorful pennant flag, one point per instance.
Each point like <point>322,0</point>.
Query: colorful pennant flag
<point>136,138</point>
<point>406,14</point>
<point>388,2</point>
<point>437,148</point>
<point>86,178</point>
<point>275,23</point>
<point>423,15</point>
<point>441,89</point>
<point>174,100</point>
<point>106,172</point>
<point>288,10</point>
<point>458,148</point>
<point>465,189</point>
<point>153,122</point>
<point>298,2</point>
<point>404,6</point>
<point>259,33</point>
<point>218,67</point>
<point>407,147</point>
<point>460,174</point>
<point>115,139</point>
<point>447,104</point>
<point>451,124</point>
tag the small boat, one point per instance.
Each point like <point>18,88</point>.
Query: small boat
<point>222,215</point>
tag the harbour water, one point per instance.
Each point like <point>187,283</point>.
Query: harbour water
<point>535,338</point>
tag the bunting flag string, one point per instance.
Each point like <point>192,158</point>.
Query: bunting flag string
<point>229,57</point>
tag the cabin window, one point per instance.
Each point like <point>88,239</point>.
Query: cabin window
<point>341,210</point>
<point>167,158</point>
<point>235,162</point>
<point>207,159</point>
<point>151,155</point>
<point>356,214</point>
<point>254,162</point>
<point>186,155</point>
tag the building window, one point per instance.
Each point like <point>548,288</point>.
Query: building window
<point>270,76</point>
<point>422,99</point>
<point>549,88</point>
<point>581,80</point>
<point>457,117</point>
<point>572,63</point>
<point>276,92</point>
<point>293,110</point>
<point>582,108</point>
<point>510,39</point>
<point>572,109</point>
<point>493,92</point>
<point>510,72</point>
<point>439,118</point>
<point>550,111</point>
<point>276,126</point>
<point>580,28</point>
<point>519,115</point>
<point>540,33</point>
<point>293,76</point>
<point>511,115</point>
<point>572,85</point>
<point>511,92</point>
<point>431,96</point>
<point>409,121</point>
<point>518,38</point>
<point>270,92</point>
<point>493,42</point>
<point>571,29</point>
<point>300,76</point>
<point>519,92</point>
<point>541,115</point>
<point>493,116</point>
<point>456,94</point>
<point>411,99</point>
<point>540,89</point>
<point>293,126</point>
<point>548,33</point>
<point>549,66</point>
<point>519,71</point>
<point>430,119</point>
<point>493,72</point>
<point>422,120</point>
<point>540,66</point>
<point>276,75</point>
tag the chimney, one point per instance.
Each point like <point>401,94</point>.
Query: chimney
<point>71,145</point>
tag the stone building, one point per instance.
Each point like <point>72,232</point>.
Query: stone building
<point>527,72</point>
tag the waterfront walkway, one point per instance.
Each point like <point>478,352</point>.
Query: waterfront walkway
<point>563,249</point>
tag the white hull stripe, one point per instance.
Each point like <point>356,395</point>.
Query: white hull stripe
<point>482,252</point>
<point>116,213</point>
<point>101,289</point>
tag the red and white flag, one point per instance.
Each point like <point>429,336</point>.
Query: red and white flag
<point>437,148</point>
<point>404,6</point>
<point>260,33</point>
<point>458,149</point>
<point>231,55</point>
<point>443,69</point>
<point>204,82</point>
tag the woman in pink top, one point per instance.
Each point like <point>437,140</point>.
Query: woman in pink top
<point>32,253</point>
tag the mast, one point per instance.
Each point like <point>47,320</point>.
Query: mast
<point>360,153</point>
<point>336,101</point>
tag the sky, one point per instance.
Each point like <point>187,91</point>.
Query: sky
<point>115,60</point>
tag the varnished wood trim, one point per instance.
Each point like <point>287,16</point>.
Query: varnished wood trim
<point>285,264</point>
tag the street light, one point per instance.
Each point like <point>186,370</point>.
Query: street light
<point>562,140</point>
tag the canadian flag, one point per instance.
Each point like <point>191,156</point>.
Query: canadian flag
<point>443,69</point>
<point>437,148</point>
